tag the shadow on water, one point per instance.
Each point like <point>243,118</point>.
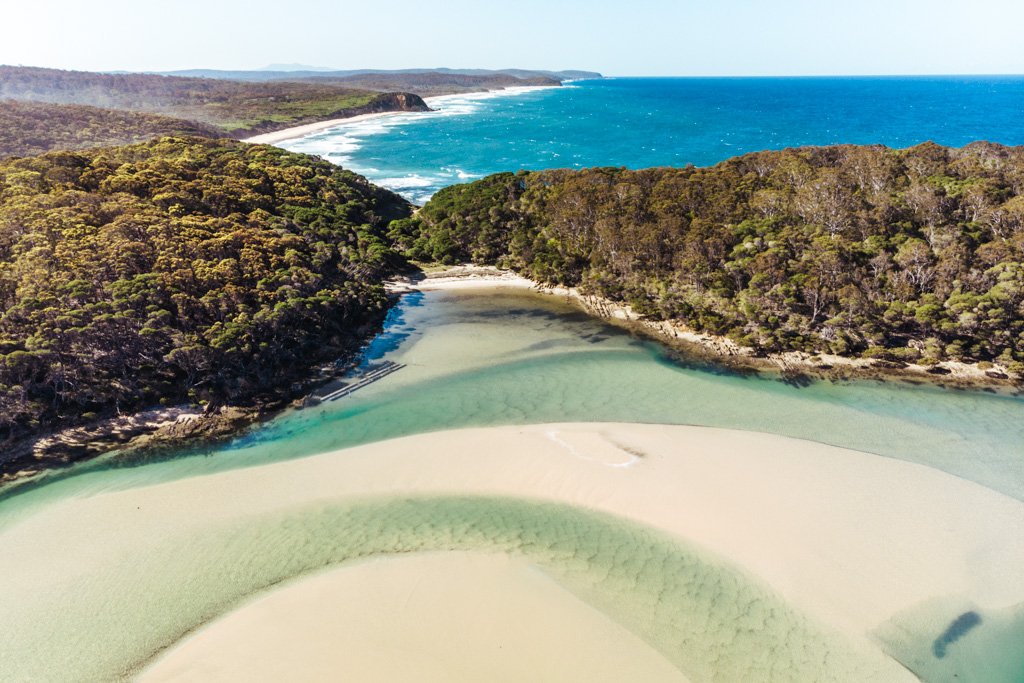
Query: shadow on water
<point>954,632</point>
<point>394,333</point>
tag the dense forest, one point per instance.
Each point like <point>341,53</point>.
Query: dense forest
<point>904,255</point>
<point>180,269</point>
<point>28,128</point>
<point>241,109</point>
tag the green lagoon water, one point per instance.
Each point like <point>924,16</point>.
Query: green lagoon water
<point>476,358</point>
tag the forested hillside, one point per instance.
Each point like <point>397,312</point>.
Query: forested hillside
<point>28,128</point>
<point>183,268</point>
<point>241,109</point>
<point>423,82</point>
<point>909,254</point>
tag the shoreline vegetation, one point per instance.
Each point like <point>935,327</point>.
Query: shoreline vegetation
<point>901,257</point>
<point>182,271</point>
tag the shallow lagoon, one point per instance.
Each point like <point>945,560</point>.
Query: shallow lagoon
<point>475,358</point>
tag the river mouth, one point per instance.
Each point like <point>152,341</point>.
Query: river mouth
<point>474,360</point>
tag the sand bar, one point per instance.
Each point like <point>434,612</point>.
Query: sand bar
<point>849,539</point>
<point>434,617</point>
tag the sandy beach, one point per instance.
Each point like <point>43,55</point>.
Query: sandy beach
<point>277,136</point>
<point>294,132</point>
<point>851,541</point>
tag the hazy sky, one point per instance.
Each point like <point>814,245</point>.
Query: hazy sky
<point>638,37</point>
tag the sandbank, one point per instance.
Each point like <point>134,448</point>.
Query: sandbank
<point>433,617</point>
<point>851,540</point>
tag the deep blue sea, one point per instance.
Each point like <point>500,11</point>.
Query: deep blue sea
<point>642,122</point>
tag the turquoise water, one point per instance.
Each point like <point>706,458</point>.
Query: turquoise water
<point>643,122</point>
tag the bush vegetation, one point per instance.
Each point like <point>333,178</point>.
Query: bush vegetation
<point>912,255</point>
<point>179,269</point>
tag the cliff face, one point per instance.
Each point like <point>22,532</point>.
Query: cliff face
<point>384,102</point>
<point>396,101</point>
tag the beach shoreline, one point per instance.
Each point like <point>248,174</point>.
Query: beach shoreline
<point>296,132</point>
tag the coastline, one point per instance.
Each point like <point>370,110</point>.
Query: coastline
<point>794,367</point>
<point>790,515</point>
<point>295,132</point>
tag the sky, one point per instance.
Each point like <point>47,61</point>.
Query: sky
<point>635,38</point>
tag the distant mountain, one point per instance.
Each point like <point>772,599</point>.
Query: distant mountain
<point>286,72</point>
<point>294,67</point>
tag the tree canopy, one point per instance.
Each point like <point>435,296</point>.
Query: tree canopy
<point>183,268</point>
<point>909,254</point>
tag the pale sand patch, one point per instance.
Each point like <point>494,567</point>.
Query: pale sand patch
<point>435,617</point>
<point>848,538</point>
<point>482,278</point>
<point>470,282</point>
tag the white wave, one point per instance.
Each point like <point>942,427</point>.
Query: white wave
<point>406,182</point>
<point>340,144</point>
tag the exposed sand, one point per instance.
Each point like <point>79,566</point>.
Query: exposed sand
<point>294,132</point>
<point>463,278</point>
<point>849,539</point>
<point>440,617</point>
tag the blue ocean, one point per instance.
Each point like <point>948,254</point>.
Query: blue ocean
<point>643,122</point>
